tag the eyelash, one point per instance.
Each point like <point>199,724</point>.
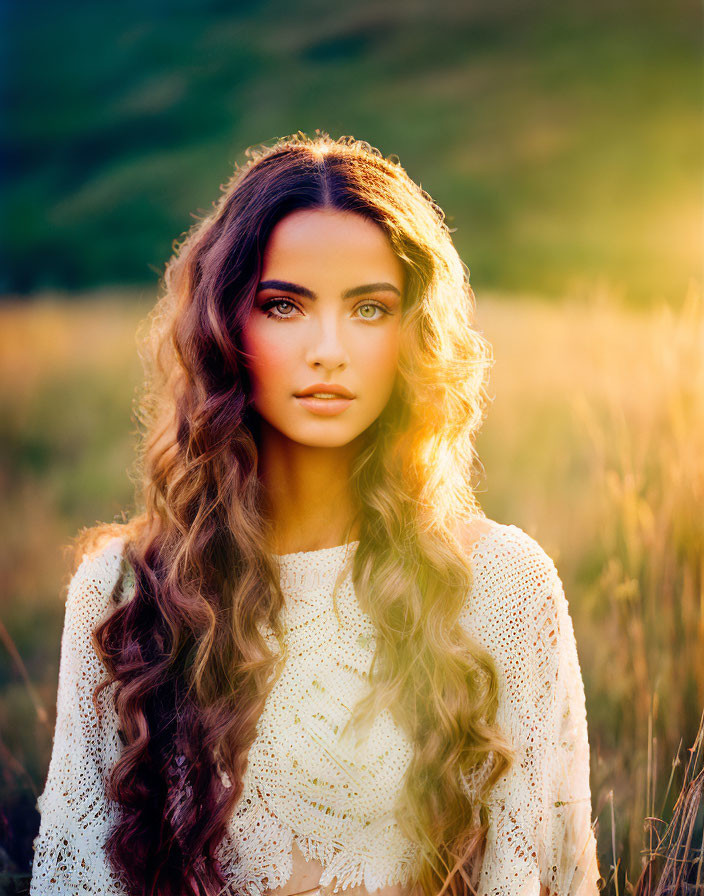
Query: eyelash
<point>272,303</point>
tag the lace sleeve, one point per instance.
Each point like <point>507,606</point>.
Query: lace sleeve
<point>75,815</point>
<point>569,860</point>
<point>540,837</point>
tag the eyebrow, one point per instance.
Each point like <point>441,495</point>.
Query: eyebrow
<point>309,294</point>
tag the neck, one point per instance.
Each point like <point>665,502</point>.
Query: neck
<point>307,493</point>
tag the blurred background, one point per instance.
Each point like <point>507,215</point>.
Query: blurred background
<point>564,142</point>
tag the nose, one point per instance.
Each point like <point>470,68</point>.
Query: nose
<point>327,348</point>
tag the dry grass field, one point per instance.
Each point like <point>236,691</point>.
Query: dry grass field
<point>593,443</point>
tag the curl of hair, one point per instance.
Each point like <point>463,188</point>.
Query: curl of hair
<point>187,653</point>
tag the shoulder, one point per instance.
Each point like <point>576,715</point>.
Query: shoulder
<point>103,578</point>
<point>505,555</point>
<point>516,590</point>
<point>508,556</point>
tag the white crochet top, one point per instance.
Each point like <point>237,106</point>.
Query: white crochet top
<point>333,797</point>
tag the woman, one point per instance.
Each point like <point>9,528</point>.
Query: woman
<point>317,665</point>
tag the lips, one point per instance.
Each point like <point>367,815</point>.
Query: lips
<point>329,391</point>
<point>324,407</point>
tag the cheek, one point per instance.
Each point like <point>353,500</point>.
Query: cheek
<point>269,358</point>
<point>378,357</point>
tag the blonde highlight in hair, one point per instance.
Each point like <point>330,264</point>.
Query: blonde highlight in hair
<point>187,654</point>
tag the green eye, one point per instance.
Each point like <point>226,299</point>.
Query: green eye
<point>373,305</point>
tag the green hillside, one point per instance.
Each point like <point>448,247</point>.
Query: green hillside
<point>563,140</point>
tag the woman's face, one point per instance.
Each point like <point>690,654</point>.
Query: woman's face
<point>327,314</point>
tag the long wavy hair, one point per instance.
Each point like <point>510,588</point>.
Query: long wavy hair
<point>190,665</point>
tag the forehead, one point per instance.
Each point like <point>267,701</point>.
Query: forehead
<point>307,239</point>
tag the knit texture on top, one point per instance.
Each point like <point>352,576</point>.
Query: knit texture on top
<point>334,795</point>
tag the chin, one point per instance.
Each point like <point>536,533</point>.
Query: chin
<point>329,440</point>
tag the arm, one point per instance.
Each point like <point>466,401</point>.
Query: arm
<point>568,839</point>
<point>75,815</point>
<point>539,840</point>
